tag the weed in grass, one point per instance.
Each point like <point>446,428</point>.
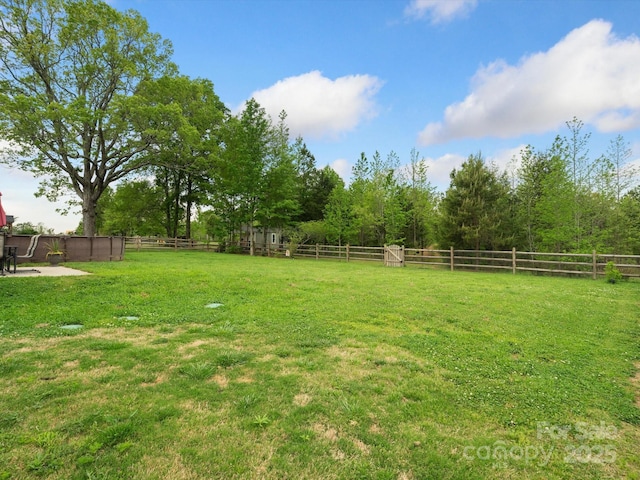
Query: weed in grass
<point>226,329</point>
<point>283,352</point>
<point>8,366</point>
<point>115,434</point>
<point>100,474</point>
<point>44,463</point>
<point>230,358</point>
<point>165,413</point>
<point>261,421</point>
<point>123,447</point>
<point>247,401</point>
<point>198,370</point>
<point>8,420</point>
<point>308,364</point>
<point>46,439</point>
<point>349,406</point>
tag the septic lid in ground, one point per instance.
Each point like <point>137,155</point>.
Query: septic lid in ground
<point>129,317</point>
<point>214,305</point>
<point>71,327</point>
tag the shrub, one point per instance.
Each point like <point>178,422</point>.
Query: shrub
<point>612,274</point>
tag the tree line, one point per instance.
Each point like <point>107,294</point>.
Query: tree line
<point>91,103</point>
<point>556,199</point>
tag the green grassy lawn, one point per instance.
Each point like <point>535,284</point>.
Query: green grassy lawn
<point>316,370</point>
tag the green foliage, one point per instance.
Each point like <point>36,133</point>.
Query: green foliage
<point>68,80</point>
<point>421,201</point>
<point>379,208</point>
<point>339,216</point>
<point>544,201</point>
<point>54,247</point>
<point>472,211</point>
<point>27,228</point>
<point>198,370</point>
<point>184,159</point>
<point>135,208</point>
<point>629,212</point>
<point>612,274</point>
<point>315,185</point>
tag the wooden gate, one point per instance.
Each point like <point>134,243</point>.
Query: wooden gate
<point>393,256</point>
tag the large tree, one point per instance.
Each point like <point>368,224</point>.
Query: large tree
<point>545,200</point>
<point>185,158</point>
<point>278,197</point>
<point>239,171</point>
<point>69,70</point>
<point>421,202</point>
<point>473,213</point>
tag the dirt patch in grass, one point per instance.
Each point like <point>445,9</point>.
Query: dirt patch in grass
<point>375,428</point>
<point>191,349</point>
<point>221,380</point>
<point>338,455</point>
<point>341,351</point>
<point>194,344</point>
<point>158,380</point>
<point>71,364</point>
<point>302,399</point>
<point>245,379</point>
<point>36,345</point>
<point>196,406</point>
<point>168,464</point>
<point>326,432</point>
<point>405,476</point>
<point>363,447</point>
<point>135,336</point>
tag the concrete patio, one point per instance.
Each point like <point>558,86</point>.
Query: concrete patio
<point>46,271</point>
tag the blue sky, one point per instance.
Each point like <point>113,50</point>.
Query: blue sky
<point>447,77</point>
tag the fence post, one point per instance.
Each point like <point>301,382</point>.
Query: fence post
<point>451,257</point>
<point>317,252</point>
<point>347,253</point>
<point>513,260</point>
<point>595,265</point>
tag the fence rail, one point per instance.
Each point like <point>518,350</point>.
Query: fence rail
<point>163,243</point>
<point>568,264</point>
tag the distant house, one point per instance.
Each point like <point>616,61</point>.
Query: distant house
<point>265,240</point>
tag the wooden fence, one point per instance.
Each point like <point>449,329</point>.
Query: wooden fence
<point>77,248</point>
<point>163,243</point>
<point>567,264</point>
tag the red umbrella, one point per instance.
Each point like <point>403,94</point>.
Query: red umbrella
<point>3,215</point>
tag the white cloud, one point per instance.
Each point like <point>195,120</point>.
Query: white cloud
<point>18,189</point>
<point>590,74</point>
<point>508,159</point>
<point>342,168</point>
<point>439,169</point>
<point>439,11</point>
<point>318,107</point>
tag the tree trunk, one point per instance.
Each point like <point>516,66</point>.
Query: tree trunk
<point>188,208</point>
<point>88,214</point>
